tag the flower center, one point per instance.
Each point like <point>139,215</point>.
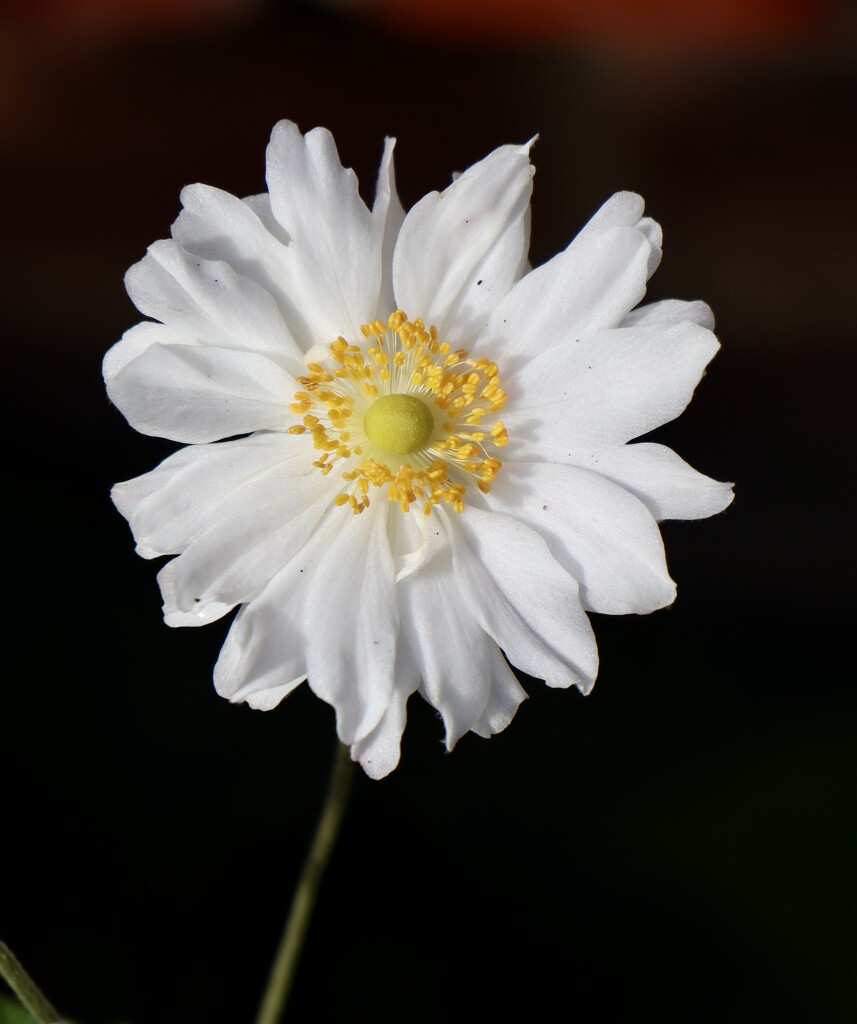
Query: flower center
<point>398,423</point>
<point>405,414</point>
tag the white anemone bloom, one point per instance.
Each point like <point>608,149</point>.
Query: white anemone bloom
<point>347,380</point>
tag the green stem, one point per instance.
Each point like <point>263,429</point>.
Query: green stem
<point>283,969</point>
<point>25,988</point>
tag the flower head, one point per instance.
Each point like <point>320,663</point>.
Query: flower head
<point>405,449</point>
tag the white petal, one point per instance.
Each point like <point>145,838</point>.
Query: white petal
<point>173,615</point>
<point>414,540</point>
<point>655,237</point>
<point>199,485</point>
<point>600,533</point>
<point>264,656</point>
<point>335,248</point>
<point>669,313</point>
<point>621,210</point>
<point>503,700</point>
<point>666,484</point>
<point>491,280</point>
<point>388,213</point>
<point>523,598</point>
<point>461,250</point>
<point>209,303</point>
<point>193,394</point>
<point>134,342</point>
<point>378,754</point>
<point>352,622</point>
<point>589,287</point>
<point>625,209</point>
<point>267,700</point>
<point>245,233</point>
<point>271,521</point>
<point>261,206</point>
<point>451,650</point>
<point>603,389</point>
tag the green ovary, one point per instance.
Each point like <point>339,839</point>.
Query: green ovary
<point>398,423</point>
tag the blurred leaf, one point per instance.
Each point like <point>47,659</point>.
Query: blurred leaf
<point>11,1012</point>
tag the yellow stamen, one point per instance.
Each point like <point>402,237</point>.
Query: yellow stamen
<point>403,392</point>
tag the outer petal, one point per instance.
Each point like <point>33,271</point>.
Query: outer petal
<point>379,752</point>
<point>264,657</point>
<point>352,622</point>
<point>195,394</point>
<point>625,209</point>
<point>621,210</point>
<point>261,206</point>
<point>655,237</point>
<point>461,250</point>
<point>491,280</point>
<point>134,342</point>
<point>200,485</point>
<point>523,598</point>
<point>667,486</point>
<point>451,650</point>
<point>336,244</point>
<point>245,233</point>
<point>600,533</point>
<point>670,313</point>
<point>601,390</point>
<point>209,303</point>
<point>174,616</point>
<point>503,700</point>
<point>267,700</point>
<point>233,560</point>
<point>589,287</point>
<point>388,215</point>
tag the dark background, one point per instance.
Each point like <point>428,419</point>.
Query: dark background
<point>681,845</point>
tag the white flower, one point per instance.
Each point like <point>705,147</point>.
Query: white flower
<point>367,524</point>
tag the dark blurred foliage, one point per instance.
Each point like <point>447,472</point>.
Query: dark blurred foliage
<point>681,845</point>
